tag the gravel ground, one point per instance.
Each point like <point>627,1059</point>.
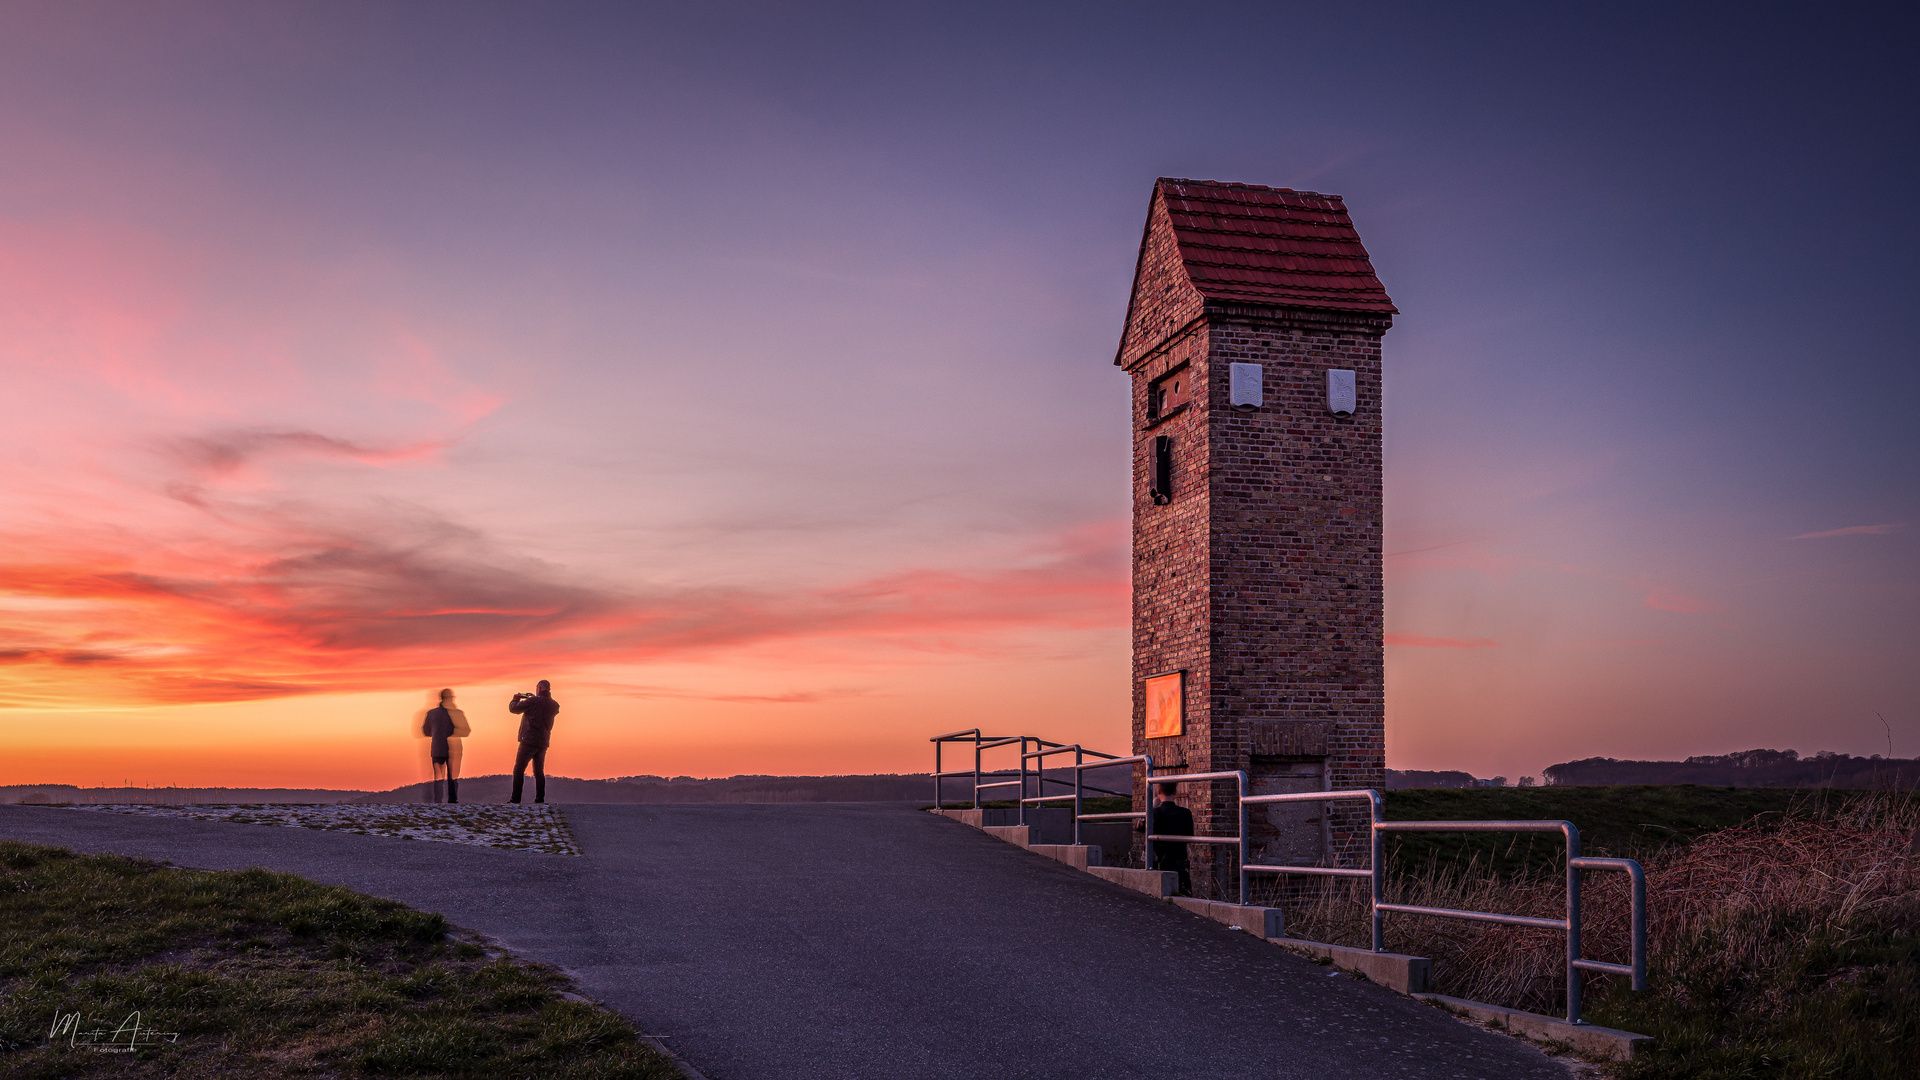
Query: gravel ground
<point>526,828</point>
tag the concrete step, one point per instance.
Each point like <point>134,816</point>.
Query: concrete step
<point>1396,971</point>
<point>1158,884</point>
<point>1590,1039</point>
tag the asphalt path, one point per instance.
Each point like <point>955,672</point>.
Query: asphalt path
<point>853,941</point>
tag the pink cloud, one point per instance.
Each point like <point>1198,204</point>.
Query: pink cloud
<point>1470,554</point>
<point>108,326</point>
<point>1416,641</point>
<point>1668,598</point>
<point>416,371</point>
<point>217,455</point>
<point>1853,530</point>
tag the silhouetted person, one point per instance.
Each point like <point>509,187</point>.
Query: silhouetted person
<point>1169,818</point>
<point>445,725</point>
<point>537,711</point>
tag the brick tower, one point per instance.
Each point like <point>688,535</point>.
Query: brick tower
<point>1253,341</point>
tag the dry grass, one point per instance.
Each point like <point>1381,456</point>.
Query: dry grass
<point>1786,946</point>
<point>1758,888</point>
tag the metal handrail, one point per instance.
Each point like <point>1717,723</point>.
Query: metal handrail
<point>1637,906</point>
<point>1080,787</point>
<point>940,741</point>
<point>1376,860</point>
<point>1240,797</point>
<point>983,742</point>
<point>1081,767</point>
<point>1041,779</point>
<point>1577,865</point>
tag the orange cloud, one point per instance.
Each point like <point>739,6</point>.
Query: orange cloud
<point>795,697</point>
<point>309,608</point>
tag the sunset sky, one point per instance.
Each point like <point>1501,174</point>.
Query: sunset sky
<point>746,370</point>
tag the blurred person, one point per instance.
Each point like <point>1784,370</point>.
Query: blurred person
<point>537,711</point>
<point>1169,818</point>
<point>446,725</point>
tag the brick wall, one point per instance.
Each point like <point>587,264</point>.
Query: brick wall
<point>1297,602</point>
<point>1170,542</point>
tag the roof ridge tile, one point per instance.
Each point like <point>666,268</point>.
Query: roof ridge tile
<point>1272,245</point>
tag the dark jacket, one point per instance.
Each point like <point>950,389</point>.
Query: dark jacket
<point>536,718</point>
<point>439,727</point>
<point>1169,819</point>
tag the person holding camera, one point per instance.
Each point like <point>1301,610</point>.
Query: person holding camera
<point>537,711</point>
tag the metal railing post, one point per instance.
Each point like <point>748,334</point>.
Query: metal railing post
<point>1637,881</point>
<point>1078,756</point>
<point>1146,820</point>
<point>1637,907</point>
<point>1377,860</point>
<point>1022,800</point>
<point>976,777</point>
<point>1573,923</point>
<point>937,744</point>
<point>1240,798</point>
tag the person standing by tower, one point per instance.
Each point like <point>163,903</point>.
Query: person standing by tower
<point>536,711</point>
<point>1169,818</point>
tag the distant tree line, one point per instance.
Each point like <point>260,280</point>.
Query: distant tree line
<point>1746,768</point>
<point>1398,779</point>
<point>58,794</point>
<point>777,789</point>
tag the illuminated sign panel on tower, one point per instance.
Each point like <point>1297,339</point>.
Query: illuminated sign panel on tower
<point>1166,705</point>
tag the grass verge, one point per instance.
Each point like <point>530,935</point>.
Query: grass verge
<point>1633,821</point>
<point>260,974</point>
<point>1784,947</point>
<point>1787,945</point>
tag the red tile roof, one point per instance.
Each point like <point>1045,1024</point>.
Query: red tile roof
<point>1261,245</point>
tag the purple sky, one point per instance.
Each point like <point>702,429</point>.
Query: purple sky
<point>751,367</point>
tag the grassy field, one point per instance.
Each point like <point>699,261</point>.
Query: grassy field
<point>257,974</point>
<point>1784,924</point>
<point>1632,822</point>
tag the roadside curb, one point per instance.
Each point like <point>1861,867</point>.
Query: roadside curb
<point>1589,1039</point>
<point>1410,975</point>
